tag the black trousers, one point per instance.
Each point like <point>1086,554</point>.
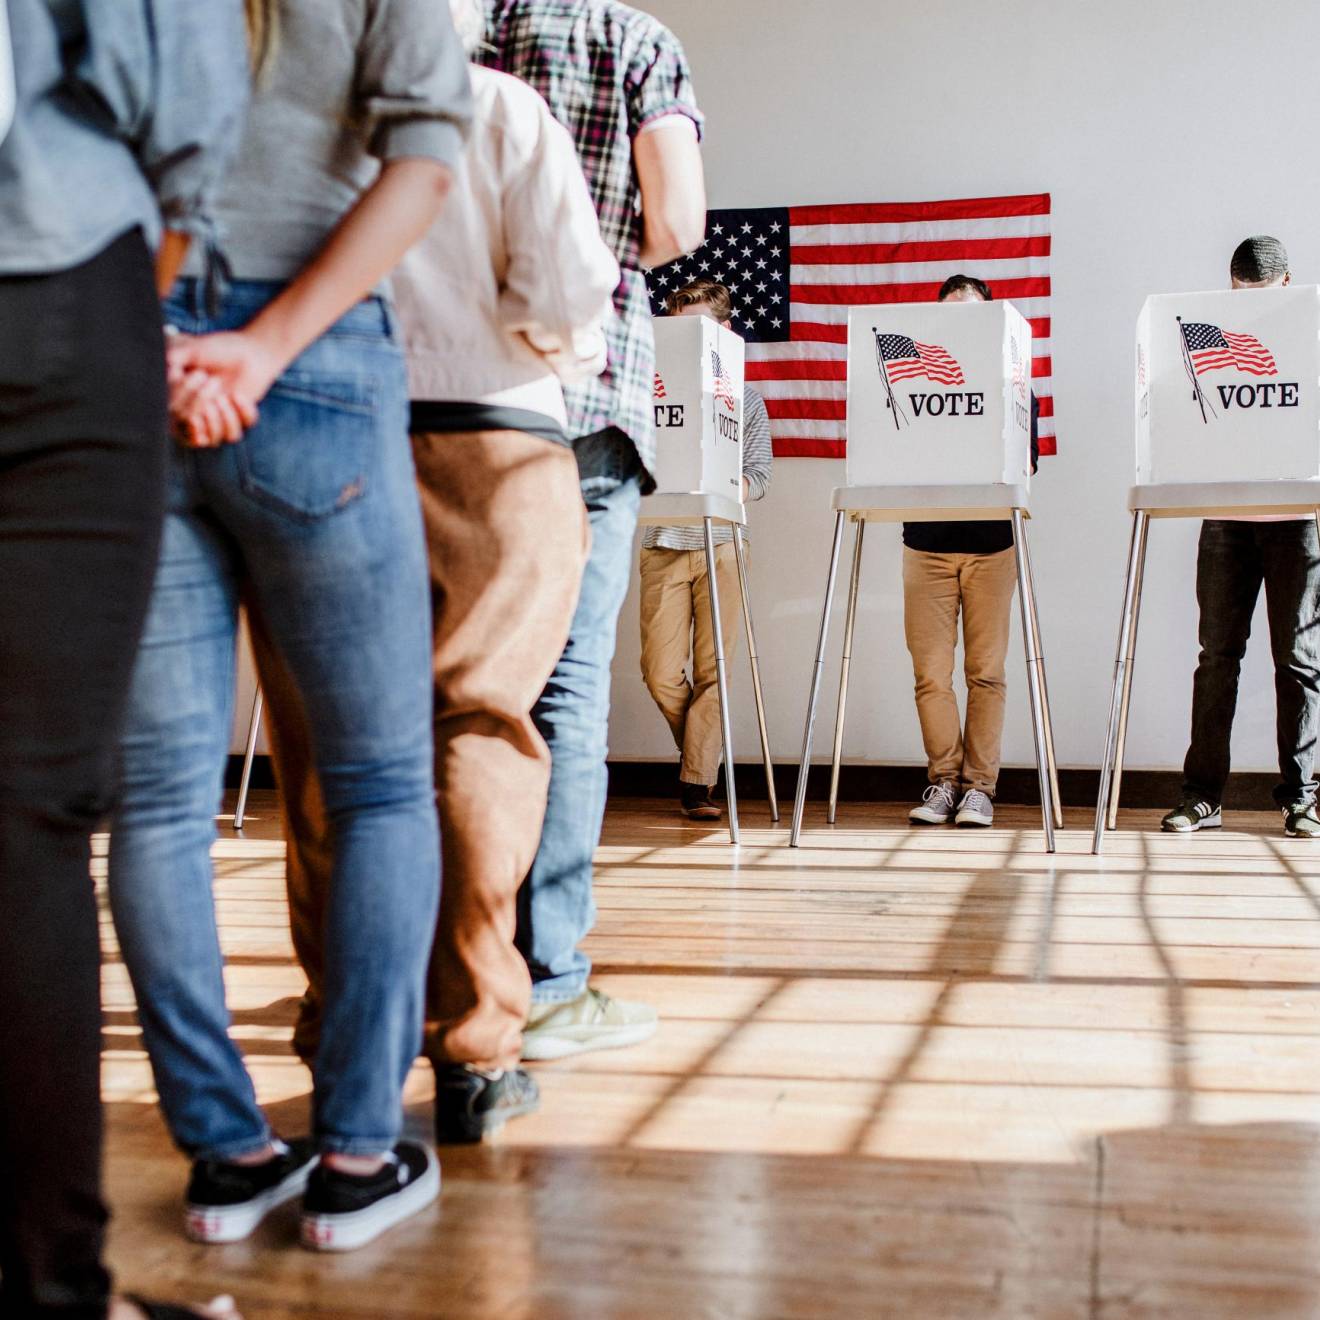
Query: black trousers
<point>1234,559</point>
<point>82,470</point>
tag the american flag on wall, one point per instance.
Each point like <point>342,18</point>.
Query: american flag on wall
<point>794,272</point>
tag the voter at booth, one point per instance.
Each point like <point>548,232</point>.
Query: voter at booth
<point>675,605</point>
<point>1235,557</point>
<point>967,568</point>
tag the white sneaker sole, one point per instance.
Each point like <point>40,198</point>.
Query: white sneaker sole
<point>348,1232</point>
<point>564,1045</point>
<point>215,1225</point>
<point>973,820</point>
<point>920,816</point>
<point>1192,829</point>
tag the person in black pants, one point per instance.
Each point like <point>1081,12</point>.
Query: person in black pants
<point>140,106</point>
<point>1237,556</point>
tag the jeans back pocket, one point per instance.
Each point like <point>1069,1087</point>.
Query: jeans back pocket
<point>312,451</point>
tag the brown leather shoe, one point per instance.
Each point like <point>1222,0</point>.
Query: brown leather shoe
<point>697,803</point>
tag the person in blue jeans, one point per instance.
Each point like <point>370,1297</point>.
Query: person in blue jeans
<point>618,80</point>
<point>293,493</point>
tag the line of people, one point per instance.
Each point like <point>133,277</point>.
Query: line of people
<point>359,237</point>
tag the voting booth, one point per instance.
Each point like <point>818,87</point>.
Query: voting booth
<point>939,430</point>
<point>1227,420</point>
<point>698,402</point>
<point>1228,386</point>
<point>939,394</point>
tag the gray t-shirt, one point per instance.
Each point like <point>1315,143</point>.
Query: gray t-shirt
<point>353,83</point>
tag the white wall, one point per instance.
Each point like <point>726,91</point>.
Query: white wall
<point>1166,131</point>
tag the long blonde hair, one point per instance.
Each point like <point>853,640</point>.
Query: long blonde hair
<point>263,25</point>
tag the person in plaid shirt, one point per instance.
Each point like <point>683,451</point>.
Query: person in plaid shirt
<point>618,80</point>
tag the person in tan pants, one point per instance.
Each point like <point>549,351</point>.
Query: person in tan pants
<point>675,605</point>
<point>951,568</point>
<point>499,305</point>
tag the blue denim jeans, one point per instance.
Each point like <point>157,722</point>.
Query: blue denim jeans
<point>555,909</point>
<point>313,520</point>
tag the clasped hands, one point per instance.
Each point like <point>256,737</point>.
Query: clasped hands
<point>216,383</point>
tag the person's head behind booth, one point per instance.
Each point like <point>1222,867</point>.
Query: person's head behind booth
<point>968,289</point>
<point>703,297</point>
<point>1260,262</point>
<point>964,288</point>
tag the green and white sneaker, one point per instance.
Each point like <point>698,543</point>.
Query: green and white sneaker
<point>1300,821</point>
<point>1194,814</point>
<point>592,1021</point>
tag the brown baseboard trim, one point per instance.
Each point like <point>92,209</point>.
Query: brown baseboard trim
<point>1143,789</point>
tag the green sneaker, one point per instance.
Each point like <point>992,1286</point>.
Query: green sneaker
<point>592,1021</point>
<point>1193,814</point>
<point>1300,821</point>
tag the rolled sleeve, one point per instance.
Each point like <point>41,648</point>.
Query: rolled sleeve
<point>659,82</point>
<point>194,121</point>
<point>758,455</point>
<point>414,87</point>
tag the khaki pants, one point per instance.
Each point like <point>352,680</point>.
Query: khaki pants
<point>676,625</point>
<point>935,587</point>
<point>507,534</point>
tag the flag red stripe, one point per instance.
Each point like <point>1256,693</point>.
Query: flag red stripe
<point>954,249</point>
<point>970,208</point>
<point>1042,366</point>
<point>861,295</point>
<point>812,447</point>
<point>808,410</point>
<point>1047,405</point>
<point>1040,326</point>
<point>815,330</point>
<point>797,370</point>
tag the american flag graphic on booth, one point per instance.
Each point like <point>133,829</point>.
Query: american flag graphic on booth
<point>723,385</point>
<point>795,271</point>
<point>658,389</point>
<point>905,359</point>
<point>1213,349</point>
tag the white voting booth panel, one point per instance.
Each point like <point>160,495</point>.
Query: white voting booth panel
<point>939,394</point>
<point>1227,386</point>
<point>698,401</point>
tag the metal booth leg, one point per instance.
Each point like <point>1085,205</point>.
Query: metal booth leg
<point>1032,645</point>
<point>721,682</point>
<point>1050,758</point>
<point>756,675</point>
<point>254,726</point>
<point>804,766</point>
<point>849,624</point>
<point>1126,641</point>
<point>1120,747</point>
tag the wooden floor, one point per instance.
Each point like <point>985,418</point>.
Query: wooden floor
<point>899,1074</point>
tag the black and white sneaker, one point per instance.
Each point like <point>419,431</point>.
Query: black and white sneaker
<point>470,1103</point>
<point>1193,814</point>
<point>344,1211</point>
<point>225,1202</point>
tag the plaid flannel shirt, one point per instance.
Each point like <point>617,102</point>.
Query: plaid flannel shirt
<point>606,70</point>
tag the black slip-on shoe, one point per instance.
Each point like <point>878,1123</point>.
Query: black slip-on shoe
<point>225,1202</point>
<point>344,1211</point>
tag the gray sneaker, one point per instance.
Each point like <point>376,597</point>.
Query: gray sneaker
<point>1300,821</point>
<point>976,809</point>
<point>1194,814</point>
<point>937,805</point>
